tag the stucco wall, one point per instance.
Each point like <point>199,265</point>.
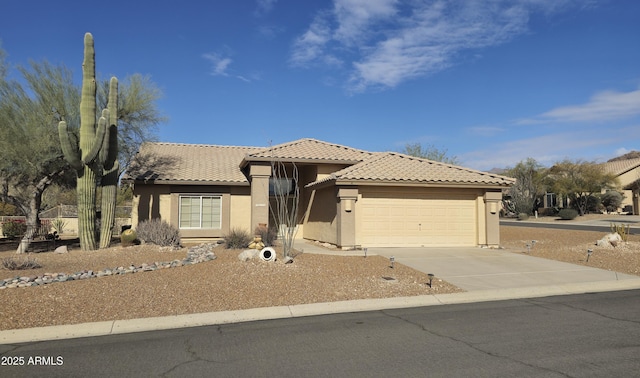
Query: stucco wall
<point>625,179</point>
<point>321,215</point>
<point>162,201</point>
<point>240,216</point>
<point>151,202</point>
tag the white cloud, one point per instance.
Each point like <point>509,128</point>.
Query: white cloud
<point>354,17</point>
<point>603,106</point>
<point>389,41</point>
<point>220,66</point>
<point>310,46</point>
<point>546,149</point>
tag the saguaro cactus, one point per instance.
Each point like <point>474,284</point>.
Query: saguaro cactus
<point>85,155</point>
<point>110,167</point>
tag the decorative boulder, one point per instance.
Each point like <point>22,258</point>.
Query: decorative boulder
<point>612,239</point>
<point>248,254</point>
<point>256,243</point>
<point>61,249</point>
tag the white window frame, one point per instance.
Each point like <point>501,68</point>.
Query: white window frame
<point>200,196</point>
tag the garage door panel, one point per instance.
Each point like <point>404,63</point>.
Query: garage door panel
<point>418,220</point>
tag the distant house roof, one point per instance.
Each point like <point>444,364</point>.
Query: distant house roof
<point>396,168</point>
<point>619,167</point>
<point>174,163</point>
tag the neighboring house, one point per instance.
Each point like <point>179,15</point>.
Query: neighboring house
<point>348,197</point>
<point>628,173</point>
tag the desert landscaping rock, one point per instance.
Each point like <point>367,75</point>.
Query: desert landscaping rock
<point>227,284</point>
<point>224,284</point>
<point>248,254</point>
<point>195,255</point>
<point>61,249</point>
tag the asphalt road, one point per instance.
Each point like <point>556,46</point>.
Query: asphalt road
<point>586,335</point>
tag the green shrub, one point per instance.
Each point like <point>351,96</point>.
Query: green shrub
<point>128,237</point>
<point>14,228</point>
<point>237,239</point>
<point>612,200</point>
<point>268,235</point>
<point>568,214</point>
<point>523,216</point>
<point>158,232</point>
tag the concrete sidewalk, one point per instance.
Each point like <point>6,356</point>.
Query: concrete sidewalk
<point>486,274</point>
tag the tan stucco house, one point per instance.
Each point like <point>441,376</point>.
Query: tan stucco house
<point>628,174</point>
<point>348,197</point>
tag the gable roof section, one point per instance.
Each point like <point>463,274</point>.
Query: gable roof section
<point>619,167</point>
<point>308,150</point>
<point>175,163</point>
<point>396,168</point>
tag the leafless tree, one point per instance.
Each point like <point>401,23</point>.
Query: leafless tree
<point>286,194</point>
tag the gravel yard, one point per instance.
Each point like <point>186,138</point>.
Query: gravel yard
<point>571,246</point>
<point>229,284</point>
<point>225,283</point>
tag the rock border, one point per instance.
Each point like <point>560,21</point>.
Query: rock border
<point>195,255</point>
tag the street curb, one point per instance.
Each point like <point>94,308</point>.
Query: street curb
<point>116,327</point>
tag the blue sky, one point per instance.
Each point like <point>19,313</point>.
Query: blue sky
<point>493,82</point>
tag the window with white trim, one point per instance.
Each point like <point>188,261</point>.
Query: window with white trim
<point>200,212</point>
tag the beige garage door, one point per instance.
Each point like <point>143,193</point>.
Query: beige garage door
<point>405,218</point>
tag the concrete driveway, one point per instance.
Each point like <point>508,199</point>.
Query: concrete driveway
<point>474,268</point>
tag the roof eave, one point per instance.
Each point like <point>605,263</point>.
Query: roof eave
<point>186,182</point>
<point>248,160</point>
<point>352,182</point>
<point>468,185</point>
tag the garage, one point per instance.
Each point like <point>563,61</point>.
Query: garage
<point>405,217</point>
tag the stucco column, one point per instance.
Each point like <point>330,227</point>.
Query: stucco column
<point>346,217</point>
<point>259,174</point>
<point>492,217</point>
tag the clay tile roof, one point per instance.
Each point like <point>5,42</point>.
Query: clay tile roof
<point>310,150</point>
<point>189,163</point>
<point>390,167</point>
<point>619,167</point>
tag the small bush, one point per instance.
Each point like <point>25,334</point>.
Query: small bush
<point>568,214</point>
<point>11,263</point>
<point>237,239</point>
<point>128,237</point>
<point>158,232</point>
<point>268,235</point>
<point>622,230</point>
<point>14,228</point>
<point>58,224</point>
<point>612,200</point>
<point>523,216</point>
